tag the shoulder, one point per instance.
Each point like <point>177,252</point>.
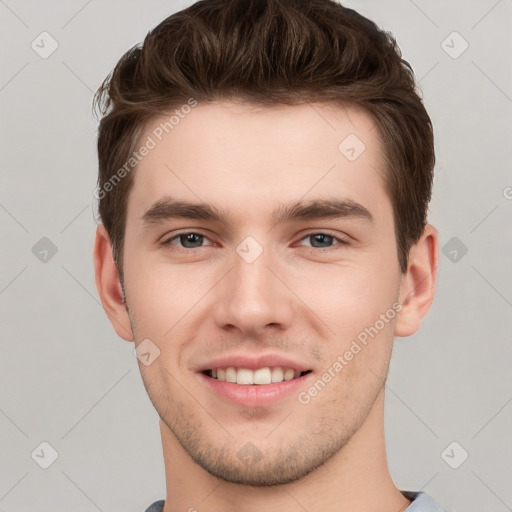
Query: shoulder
<point>421,502</point>
<point>158,506</point>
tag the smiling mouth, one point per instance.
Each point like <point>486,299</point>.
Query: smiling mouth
<point>261,376</point>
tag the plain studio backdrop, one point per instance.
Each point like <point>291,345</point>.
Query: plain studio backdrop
<point>70,388</point>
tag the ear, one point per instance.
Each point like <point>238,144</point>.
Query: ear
<point>418,283</point>
<point>109,285</point>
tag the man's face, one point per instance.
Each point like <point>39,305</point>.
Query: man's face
<point>253,291</point>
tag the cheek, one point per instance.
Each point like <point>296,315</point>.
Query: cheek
<point>348,298</point>
<point>162,294</point>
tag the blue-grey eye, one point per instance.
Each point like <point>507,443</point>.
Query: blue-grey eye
<point>319,240</point>
<point>189,240</point>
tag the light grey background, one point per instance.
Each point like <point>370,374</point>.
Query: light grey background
<point>65,377</point>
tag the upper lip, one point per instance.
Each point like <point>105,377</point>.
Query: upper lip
<point>253,362</point>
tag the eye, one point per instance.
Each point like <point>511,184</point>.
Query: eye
<point>320,240</point>
<point>194,240</point>
<point>189,240</point>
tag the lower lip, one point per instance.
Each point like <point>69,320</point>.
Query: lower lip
<point>255,395</point>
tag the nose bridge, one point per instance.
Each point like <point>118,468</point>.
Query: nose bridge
<point>252,297</point>
<point>252,276</point>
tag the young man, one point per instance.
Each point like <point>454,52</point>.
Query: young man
<point>265,168</point>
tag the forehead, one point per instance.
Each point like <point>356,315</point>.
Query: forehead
<point>249,157</point>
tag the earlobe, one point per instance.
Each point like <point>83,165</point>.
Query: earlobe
<point>418,283</point>
<point>109,285</point>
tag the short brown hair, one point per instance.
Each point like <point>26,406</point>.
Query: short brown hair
<point>268,52</point>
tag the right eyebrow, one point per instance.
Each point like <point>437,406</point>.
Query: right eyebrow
<point>169,208</point>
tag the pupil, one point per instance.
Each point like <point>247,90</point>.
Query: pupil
<point>325,240</point>
<point>191,238</point>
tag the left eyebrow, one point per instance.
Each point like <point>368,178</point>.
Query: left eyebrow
<point>321,209</point>
<point>170,208</point>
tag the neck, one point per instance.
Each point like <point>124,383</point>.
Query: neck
<point>356,478</point>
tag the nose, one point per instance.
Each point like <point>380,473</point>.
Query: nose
<point>253,297</point>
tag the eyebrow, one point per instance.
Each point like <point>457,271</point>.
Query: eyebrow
<point>170,208</point>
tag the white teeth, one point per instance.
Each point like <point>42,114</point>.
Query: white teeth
<point>277,374</point>
<point>244,376</point>
<point>260,376</point>
<point>288,374</point>
<point>230,374</point>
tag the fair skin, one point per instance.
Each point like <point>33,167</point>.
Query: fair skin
<point>318,284</point>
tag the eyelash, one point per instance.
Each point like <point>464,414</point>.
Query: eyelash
<point>341,241</point>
